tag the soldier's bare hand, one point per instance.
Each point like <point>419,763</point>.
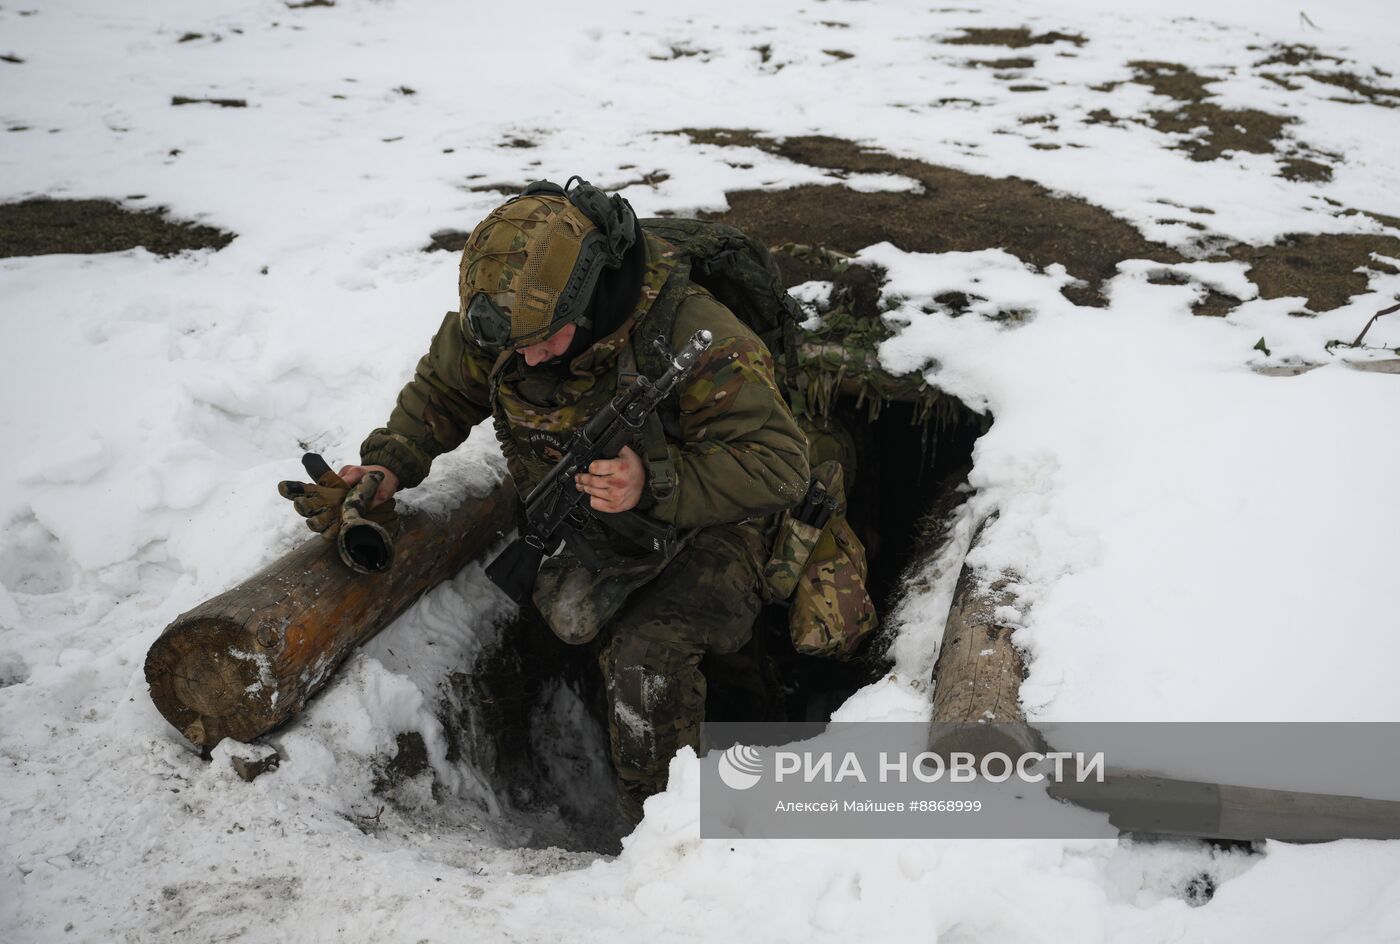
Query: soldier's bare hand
<point>614,484</point>
<point>353,473</point>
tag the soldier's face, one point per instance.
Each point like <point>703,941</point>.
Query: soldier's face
<point>550,348</point>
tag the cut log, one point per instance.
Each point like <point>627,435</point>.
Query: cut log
<point>977,678</point>
<point>1145,803</point>
<point>248,660</point>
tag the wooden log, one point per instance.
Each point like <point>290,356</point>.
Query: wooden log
<point>1151,804</point>
<point>858,375</point>
<point>248,660</point>
<point>977,677</point>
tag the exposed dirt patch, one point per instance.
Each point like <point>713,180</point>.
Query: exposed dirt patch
<point>1355,84</point>
<point>1281,82</point>
<point>1301,168</point>
<point>653,179</point>
<point>1215,130</point>
<point>1171,80</point>
<point>221,102</point>
<point>310,3</point>
<point>681,52</point>
<point>448,240</point>
<point>1213,305</point>
<point>965,212</point>
<point>506,189</point>
<point>1317,267</point>
<point>1017,38</point>
<point>730,137</point>
<point>1102,116</point>
<point>957,211</point>
<point>409,760</point>
<point>839,53</point>
<point>1016,62</point>
<point>43,227</point>
<point>1292,55</point>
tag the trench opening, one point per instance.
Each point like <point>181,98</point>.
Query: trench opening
<point>530,715</point>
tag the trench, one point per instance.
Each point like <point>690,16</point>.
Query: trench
<point>529,715</point>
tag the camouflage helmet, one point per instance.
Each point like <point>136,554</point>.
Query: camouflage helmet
<point>531,266</point>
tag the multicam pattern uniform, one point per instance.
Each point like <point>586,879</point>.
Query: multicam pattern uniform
<point>738,455</point>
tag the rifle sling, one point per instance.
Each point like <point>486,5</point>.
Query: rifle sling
<point>662,478</point>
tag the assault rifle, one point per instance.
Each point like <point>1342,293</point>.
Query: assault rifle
<point>555,508</point>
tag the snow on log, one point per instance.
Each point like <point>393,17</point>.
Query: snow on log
<point>977,678</point>
<point>248,660</point>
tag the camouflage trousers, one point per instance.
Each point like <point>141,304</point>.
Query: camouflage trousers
<point>704,602</point>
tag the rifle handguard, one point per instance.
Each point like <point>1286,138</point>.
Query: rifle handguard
<point>554,498</point>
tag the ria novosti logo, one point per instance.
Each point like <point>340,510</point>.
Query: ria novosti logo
<point>741,767</point>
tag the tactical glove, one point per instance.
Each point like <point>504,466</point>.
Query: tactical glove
<point>338,512</point>
<point>321,503</point>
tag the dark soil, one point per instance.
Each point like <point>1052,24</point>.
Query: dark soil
<point>1172,80</point>
<point>449,240</point>
<point>1102,116</point>
<point>1226,129</point>
<point>1017,38</point>
<point>1374,94</point>
<point>1281,82</point>
<point>1019,62</point>
<point>410,759</point>
<point>1294,55</point>
<point>43,227</point>
<point>959,211</point>
<point>1215,304</point>
<point>221,102</point>
<point>1300,168</point>
<point>1317,267</point>
<point>506,189</point>
<point>681,52</point>
<point>1217,131</point>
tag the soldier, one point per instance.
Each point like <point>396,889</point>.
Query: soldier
<point>559,290</point>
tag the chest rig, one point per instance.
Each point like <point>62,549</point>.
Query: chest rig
<point>535,412</point>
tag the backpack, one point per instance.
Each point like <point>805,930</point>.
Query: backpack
<point>740,273</point>
<point>819,573</point>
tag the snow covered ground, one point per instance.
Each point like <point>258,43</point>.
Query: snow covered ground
<point>1161,500</point>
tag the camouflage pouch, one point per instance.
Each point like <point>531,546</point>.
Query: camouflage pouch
<point>822,572</point>
<point>831,610</point>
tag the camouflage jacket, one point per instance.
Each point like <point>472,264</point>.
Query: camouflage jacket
<point>737,453</point>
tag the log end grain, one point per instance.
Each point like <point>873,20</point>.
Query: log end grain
<point>208,680</point>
